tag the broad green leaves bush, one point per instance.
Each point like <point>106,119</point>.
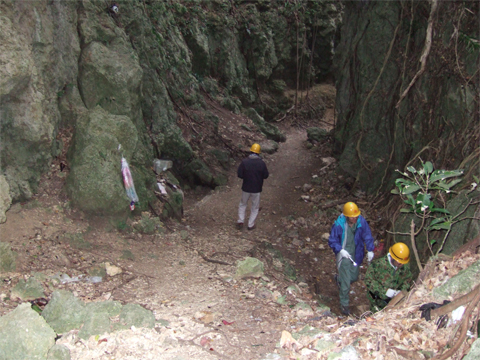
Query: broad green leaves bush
<point>424,190</point>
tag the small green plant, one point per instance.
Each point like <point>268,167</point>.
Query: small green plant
<point>424,191</point>
<point>471,44</point>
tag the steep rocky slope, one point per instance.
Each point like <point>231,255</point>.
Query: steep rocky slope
<point>138,80</point>
<point>408,88</point>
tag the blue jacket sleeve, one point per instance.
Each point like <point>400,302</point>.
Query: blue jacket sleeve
<point>335,239</point>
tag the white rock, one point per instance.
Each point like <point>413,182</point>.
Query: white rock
<point>112,270</point>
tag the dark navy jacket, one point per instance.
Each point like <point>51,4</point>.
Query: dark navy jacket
<point>253,171</point>
<point>363,236</point>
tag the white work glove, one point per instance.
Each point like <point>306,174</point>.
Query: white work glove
<point>392,293</point>
<point>370,256</point>
<point>344,253</point>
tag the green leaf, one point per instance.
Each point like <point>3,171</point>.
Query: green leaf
<point>476,179</point>
<point>444,174</point>
<point>440,210</point>
<point>428,167</point>
<point>446,186</point>
<point>436,221</point>
<point>411,169</point>
<point>442,226</point>
<point>403,210</point>
<point>37,308</point>
<point>432,241</point>
<point>454,182</point>
<point>410,200</point>
<point>426,202</point>
<point>395,191</point>
<point>410,189</point>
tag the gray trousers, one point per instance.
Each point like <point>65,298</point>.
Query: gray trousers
<point>347,274</point>
<point>242,207</point>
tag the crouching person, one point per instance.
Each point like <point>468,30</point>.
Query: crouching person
<point>387,276</point>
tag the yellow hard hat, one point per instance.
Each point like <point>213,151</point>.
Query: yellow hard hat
<point>350,209</point>
<point>400,252</point>
<point>255,149</point>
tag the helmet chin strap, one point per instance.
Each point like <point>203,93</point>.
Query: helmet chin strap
<point>390,261</point>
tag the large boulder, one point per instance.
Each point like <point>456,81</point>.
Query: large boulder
<point>25,335</point>
<point>64,312</point>
<point>97,318</point>
<point>95,180</point>
<point>28,290</point>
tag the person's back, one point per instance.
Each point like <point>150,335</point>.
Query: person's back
<point>252,170</point>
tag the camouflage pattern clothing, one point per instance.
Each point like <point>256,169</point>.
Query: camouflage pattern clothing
<point>381,276</point>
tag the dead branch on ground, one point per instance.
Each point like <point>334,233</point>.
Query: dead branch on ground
<point>463,326</point>
<point>465,299</point>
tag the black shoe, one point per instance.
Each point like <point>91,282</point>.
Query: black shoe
<point>337,281</point>
<point>239,226</point>
<point>345,310</point>
<point>251,227</point>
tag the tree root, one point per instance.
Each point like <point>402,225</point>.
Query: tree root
<point>425,53</point>
<point>463,326</point>
<point>367,99</point>
<point>213,260</point>
<point>465,299</point>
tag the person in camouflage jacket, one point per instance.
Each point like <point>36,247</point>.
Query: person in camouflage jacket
<point>388,276</point>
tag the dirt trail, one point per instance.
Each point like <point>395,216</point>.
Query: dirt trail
<point>186,275</point>
<point>290,168</point>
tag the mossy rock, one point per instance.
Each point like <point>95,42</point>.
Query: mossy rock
<point>271,131</point>
<point>148,225</point>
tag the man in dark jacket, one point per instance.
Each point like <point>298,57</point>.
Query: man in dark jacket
<point>253,171</point>
<point>350,233</point>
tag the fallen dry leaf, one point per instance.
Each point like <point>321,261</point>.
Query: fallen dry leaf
<point>205,340</point>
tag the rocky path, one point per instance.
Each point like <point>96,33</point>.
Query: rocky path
<point>185,276</point>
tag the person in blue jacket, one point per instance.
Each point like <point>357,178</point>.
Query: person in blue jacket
<point>252,171</point>
<point>349,235</point>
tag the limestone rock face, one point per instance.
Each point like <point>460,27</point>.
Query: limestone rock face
<point>74,65</point>
<point>39,52</point>
<point>5,199</point>
<point>389,109</point>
